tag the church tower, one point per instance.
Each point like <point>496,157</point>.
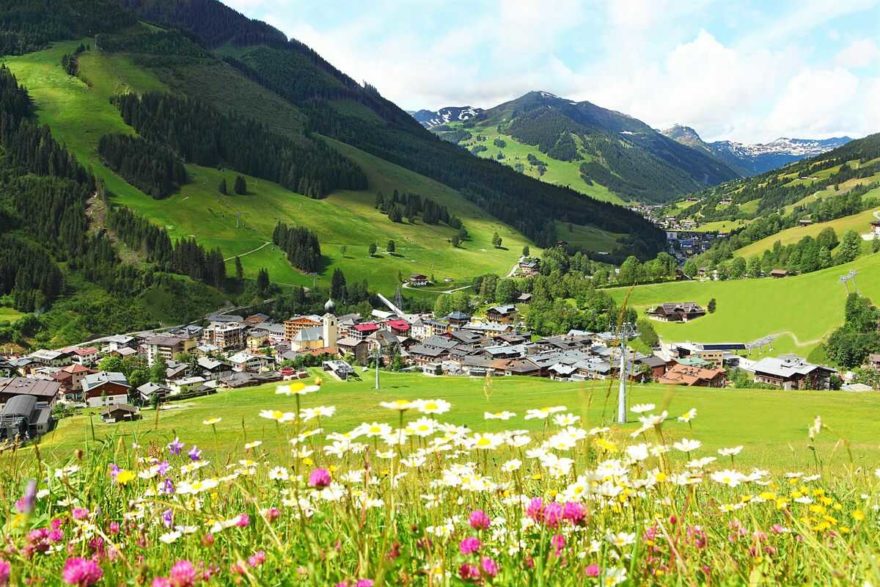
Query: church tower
<point>330,326</point>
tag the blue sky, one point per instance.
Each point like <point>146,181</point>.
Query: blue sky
<point>744,70</point>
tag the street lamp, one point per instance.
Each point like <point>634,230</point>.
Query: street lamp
<point>626,331</point>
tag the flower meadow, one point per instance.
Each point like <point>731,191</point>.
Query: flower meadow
<point>418,499</point>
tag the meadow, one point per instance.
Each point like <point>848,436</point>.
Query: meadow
<point>335,484</point>
<point>79,112</point>
<point>801,310</point>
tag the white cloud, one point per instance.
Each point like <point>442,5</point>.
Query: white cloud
<point>816,102</point>
<point>859,53</point>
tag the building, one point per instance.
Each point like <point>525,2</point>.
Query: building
<point>166,346</point>
<point>654,366</point>
<point>49,358</point>
<point>340,369</point>
<point>23,417</point>
<point>119,413</point>
<point>358,348</point>
<point>693,376</point>
<point>791,372</point>
<point>297,323</point>
<point>45,391</point>
<point>418,280</point>
<point>148,391</point>
<point>225,335</point>
<point>529,267</point>
<point>504,314</point>
<point>119,341</point>
<point>86,356</point>
<point>676,312</point>
<point>105,388</point>
<point>458,318</point>
<point>875,228</point>
<point>778,273</point>
<point>70,378</point>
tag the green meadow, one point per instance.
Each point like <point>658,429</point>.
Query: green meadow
<point>801,310</point>
<point>79,112</point>
<point>771,425</point>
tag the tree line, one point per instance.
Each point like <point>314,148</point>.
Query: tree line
<point>151,167</point>
<point>301,246</point>
<point>201,134</point>
<point>410,206</point>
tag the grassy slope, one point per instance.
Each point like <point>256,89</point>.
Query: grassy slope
<point>9,315</point>
<point>807,307</point>
<point>771,425</point>
<point>79,114</point>
<point>565,173</point>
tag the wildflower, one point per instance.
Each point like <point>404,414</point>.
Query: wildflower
<point>364,583</point>
<point>170,537</point>
<point>614,576</point>
<point>5,571</point>
<point>479,520</point>
<point>400,405</point>
<point>592,570</point>
<point>486,441</point>
<point>212,421</point>
<point>243,521</point>
<point>816,428</point>
<point>257,559</point>
<point>558,543</point>
<point>124,476</point>
<point>574,512</point>
<point>489,566</point>
<point>175,446</point>
<point>688,416</point>
<point>278,474</point>
<point>319,478</point>
<point>25,504</point>
<point>498,415</point>
<point>296,389</point>
<point>515,464</point>
<point>687,445</point>
<point>544,413</point>
<point>79,513</point>
<point>432,406</point>
<point>642,408</point>
<point>621,539</point>
<point>81,572</point>
<point>183,574</point>
<point>727,477</point>
<point>469,545</point>
<point>278,416</point>
<point>195,454</point>
<point>253,445</point>
<point>730,452</point>
<point>468,572</point>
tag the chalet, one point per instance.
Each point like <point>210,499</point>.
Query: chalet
<point>44,391</point>
<point>119,341</point>
<point>529,267</point>
<point>24,417</point>
<point>655,367</point>
<point>70,378</point>
<point>175,370</point>
<point>778,273</point>
<point>418,280</point>
<point>692,376</point>
<point>355,347</point>
<point>247,361</point>
<point>212,368</point>
<point>676,312</point>
<point>166,346</point>
<point>49,358</point>
<point>86,356</point>
<point>186,385</point>
<point>148,391</point>
<point>791,372</point>
<point>805,221</point>
<point>105,388</point>
<point>120,413</point>
<point>489,328</point>
<point>524,367</point>
<point>504,314</point>
<point>524,298</point>
<point>458,318</point>
<point>297,323</point>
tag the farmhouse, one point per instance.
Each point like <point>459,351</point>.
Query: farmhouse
<point>791,372</point>
<point>677,312</point>
<point>693,376</point>
<point>418,280</point>
<point>105,388</point>
<point>503,314</point>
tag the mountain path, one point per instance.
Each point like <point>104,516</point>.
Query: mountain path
<point>261,247</point>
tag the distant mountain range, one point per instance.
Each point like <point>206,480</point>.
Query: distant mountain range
<point>750,160</point>
<point>599,152</point>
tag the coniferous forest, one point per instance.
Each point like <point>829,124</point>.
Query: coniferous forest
<point>301,246</point>
<point>153,168</point>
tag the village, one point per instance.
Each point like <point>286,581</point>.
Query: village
<point>228,352</point>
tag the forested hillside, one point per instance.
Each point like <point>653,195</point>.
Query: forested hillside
<point>596,151</point>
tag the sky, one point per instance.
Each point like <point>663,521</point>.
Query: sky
<point>745,70</point>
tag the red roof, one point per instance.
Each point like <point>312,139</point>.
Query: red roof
<point>366,327</point>
<point>75,368</point>
<point>401,325</point>
<point>85,351</point>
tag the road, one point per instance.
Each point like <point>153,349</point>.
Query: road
<point>260,248</point>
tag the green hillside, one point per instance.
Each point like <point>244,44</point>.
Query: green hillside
<point>598,152</point>
<point>802,310</point>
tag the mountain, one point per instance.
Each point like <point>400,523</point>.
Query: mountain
<point>182,147</point>
<point>758,158</point>
<point>434,118</point>
<point>838,183</point>
<point>599,152</point>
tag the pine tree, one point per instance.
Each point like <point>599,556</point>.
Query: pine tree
<point>263,281</point>
<point>391,247</point>
<point>525,251</point>
<point>372,249</point>
<point>239,270</point>
<point>240,185</point>
<point>337,285</point>
<point>222,187</point>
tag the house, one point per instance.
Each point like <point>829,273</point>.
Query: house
<point>119,413</point>
<point>418,280</point>
<point>778,273</point>
<point>676,312</point>
<point>398,326</point>
<point>212,368</point>
<point>340,369</point>
<point>363,330</point>
<point>875,228</point>
<point>504,314</point>
<point>246,361</point>
<point>458,318</point>
<point>148,391</point>
<point>524,298</point>
<point>70,378</point>
<point>45,391</point>
<point>356,347</point>
<point>297,323</point>
<point>655,366</point>
<point>492,329</point>
<point>693,376</point>
<point>86,356</point>
<point>791,372</point>
<point>176,370</point>
<point>225,335</point>
<point>119,341</point>
<point>24,417</point>
<point>255,319</point>
<point>105,388</point>
<point>166,346</point>
<point>49,358</point>
<point>529,267</point>
<point>186,384</point>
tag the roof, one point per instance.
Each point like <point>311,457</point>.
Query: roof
<point>418,277</point>
<point>687,375</point>
<point>20,405</point>
<point>503,309</point>
<point>428,351</point>
<point>401,325</point>
<point>676,307</point>
<point>119,408</point>
<point>652,361</point>
<point>458,315</point>
<point>309,334</point>
<point>39,388</point>
<point>786,367</point>
<point>366,327</point>
<point>76,368</point>
<point>94,380</point>
<point>150,388</point>
<point>350,341</point>
<point>306,318</point>
<point>165,340</point>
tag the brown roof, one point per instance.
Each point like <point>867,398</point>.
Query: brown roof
<point>688,375</point>
<point>40,388</point>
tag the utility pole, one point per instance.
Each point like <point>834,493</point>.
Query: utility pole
<point>621,392</point>
<point>378,348</point>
